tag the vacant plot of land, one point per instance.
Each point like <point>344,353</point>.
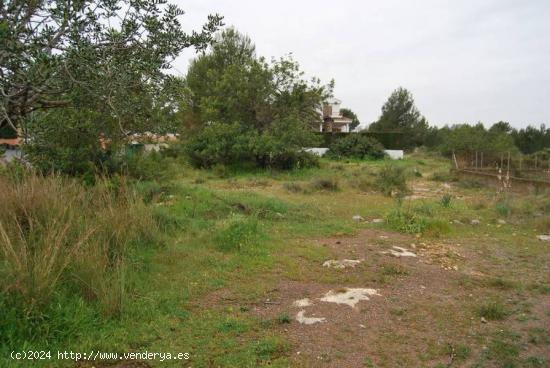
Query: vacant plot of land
<point>316,268</point>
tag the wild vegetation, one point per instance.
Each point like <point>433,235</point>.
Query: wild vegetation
<point>84,265</point>
<point>230,243</point>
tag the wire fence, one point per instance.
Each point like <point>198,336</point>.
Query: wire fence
<point>506,167</point>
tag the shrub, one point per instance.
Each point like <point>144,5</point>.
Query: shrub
<point>280,146</point>
<point>78,153</point>
<point>445,200</point>
<point>356,146</point>
<point>142,165</point>
<point>406,221</point>
<point>284,318</point>
<point>85,152</point>
<point>392,180</point>
<point>219,144</point>
<point>503,208</point>
<point>329,184</point>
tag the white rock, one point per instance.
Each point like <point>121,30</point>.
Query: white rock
<point>308,320</point>
<point>341,264</point>
<point>501,222</point>
<point>358,218</point>
<point>475,222</point>
<point>399,252</point>
<point>302,303</point>
<point>377,221</point>
<point>543,237</point>
<point>349,297</point>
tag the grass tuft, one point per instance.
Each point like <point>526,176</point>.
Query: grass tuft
<point>492,311</point>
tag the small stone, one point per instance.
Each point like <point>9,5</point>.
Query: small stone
<point>377,221</point>
<point>358,218</point>
<point>475,222</point>
<point>302,303</point>
<point>501,222</point>
<point>399,252</point>
<point>543,237</point>
<point>457,222</point>
<point>341,264</point>
<point>308,320</point>
<point>483,320</point>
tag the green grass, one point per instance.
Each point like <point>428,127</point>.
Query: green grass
<point>230,240</point>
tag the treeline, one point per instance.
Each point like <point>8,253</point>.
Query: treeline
<point>410,129</point>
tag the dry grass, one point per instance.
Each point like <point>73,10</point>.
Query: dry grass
<point>54,231</point>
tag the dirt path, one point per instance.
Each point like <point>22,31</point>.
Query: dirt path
<point>393,302</point>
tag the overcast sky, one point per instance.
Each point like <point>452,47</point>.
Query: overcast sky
<point>464,61</point>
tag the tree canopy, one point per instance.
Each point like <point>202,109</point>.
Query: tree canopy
<point>91,53</point>
<point>348,113</point>
<point>399,114</point>
<point>271,103</point>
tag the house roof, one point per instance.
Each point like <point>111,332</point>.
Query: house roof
<point>334,101</point>
<point>10,141</point>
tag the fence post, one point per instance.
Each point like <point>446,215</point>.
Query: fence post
<point>454,158</point>
<point>481,160</point>
<point>508,163</point>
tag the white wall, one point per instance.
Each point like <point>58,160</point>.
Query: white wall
<point>395,154</point>
<point>319,151</point>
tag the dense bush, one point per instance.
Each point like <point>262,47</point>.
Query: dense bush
<point>281,146</point>
<point>219,144</point>
<point>231,144</point>
<point>67,142</point>
<point>356,146</point>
